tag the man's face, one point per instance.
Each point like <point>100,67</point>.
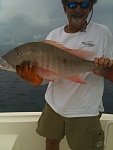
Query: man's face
<point>78,15</point>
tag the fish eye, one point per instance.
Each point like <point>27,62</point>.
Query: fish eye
<point>18,53</point>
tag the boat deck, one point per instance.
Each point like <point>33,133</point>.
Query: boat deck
<point>17,132</point>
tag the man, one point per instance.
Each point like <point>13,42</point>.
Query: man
<point>74,109</point>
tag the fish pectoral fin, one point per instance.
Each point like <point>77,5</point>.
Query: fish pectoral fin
<point>47,74</point>
<point>77,79</point>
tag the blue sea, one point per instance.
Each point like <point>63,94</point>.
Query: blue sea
<point>16,95</point>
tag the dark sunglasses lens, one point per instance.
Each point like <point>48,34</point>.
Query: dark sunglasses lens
<point>72,5</point>
<point>85,5</point>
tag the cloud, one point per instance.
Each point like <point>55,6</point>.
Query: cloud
<point>103,11</point>
<point>37,37</point>
<point>31,20</point>
<point>34,12</point>
<point>28,20</point>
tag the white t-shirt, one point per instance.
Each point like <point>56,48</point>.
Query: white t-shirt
<point>70,99</point>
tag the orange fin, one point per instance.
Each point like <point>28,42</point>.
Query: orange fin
<point>47,74</point>
<point>51,76</point>
<point>84,54</point>
<point>77,79</point>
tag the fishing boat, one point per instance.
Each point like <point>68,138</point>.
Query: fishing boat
<point>18,132</point>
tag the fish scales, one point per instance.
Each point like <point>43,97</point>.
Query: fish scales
<point>59,61</point>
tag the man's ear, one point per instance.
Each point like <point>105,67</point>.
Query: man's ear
<point>65,9</point>
<point>90,8</point>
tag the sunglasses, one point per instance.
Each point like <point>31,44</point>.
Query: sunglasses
<point>83,5</point>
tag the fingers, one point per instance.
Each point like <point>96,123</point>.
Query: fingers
<point>19,70</point>
<point>28,72</point>
<point>110,63</point>
<point>97,72</point>
<point>26,69</point>
<point>22,70</point>
<point>103,62</point>
<point>34,67</point>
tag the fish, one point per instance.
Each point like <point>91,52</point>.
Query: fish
<point>54,61</point>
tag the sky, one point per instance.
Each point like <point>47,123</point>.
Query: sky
<point>24,21</point>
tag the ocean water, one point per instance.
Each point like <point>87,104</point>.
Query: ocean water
<point>16,95</point>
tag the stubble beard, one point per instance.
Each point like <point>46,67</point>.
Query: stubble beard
<point>76,21</point>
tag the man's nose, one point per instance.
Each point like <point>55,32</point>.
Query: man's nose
<point>78,8</point>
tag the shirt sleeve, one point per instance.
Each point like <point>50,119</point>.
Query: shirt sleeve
<point>108,49</point>
<point>51,36</point>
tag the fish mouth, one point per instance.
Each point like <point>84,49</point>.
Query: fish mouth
<point>5,66</point>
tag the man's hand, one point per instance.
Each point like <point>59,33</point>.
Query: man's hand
<point>28,72</point>
<point>102,62</point>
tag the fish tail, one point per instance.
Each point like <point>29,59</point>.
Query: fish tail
<point>108,73</point>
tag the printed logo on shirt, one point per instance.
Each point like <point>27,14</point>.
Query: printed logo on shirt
<point>88,43</point>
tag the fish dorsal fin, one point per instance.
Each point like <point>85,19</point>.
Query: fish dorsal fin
<point>56,44</point>
<point>84,54</point>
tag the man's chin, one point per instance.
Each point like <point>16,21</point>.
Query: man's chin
<point>77,21</point>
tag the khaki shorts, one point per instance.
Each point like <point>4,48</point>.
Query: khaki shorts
<point>82,133</point>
